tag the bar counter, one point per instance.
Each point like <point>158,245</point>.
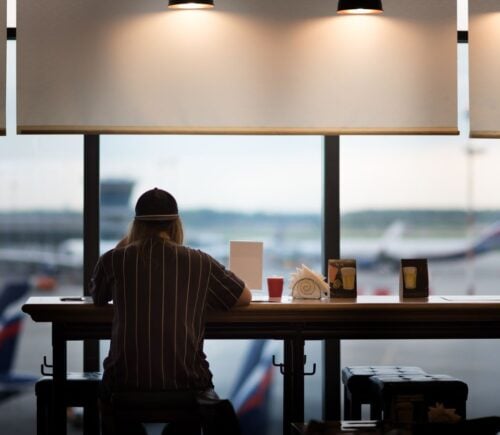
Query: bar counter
<point>293,321</point>
<point>464,316</point>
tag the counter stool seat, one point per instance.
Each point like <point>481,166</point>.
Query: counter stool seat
<point>196,409</point>
<point>155,407</point>
<point>410,398</point>
<point>81,389</point>
<point>129,409</point>
<point>358,389</point>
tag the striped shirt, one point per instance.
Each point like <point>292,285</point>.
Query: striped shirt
<point>161,293</point>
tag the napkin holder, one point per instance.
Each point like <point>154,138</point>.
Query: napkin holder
<point>307,284</point>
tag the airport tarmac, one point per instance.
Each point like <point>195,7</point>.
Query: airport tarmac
<point>474,361</point>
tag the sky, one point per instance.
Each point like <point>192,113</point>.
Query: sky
<point>255,173</point>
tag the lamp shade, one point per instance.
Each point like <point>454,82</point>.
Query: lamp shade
<point>360,7</point>
<point>190,4</point>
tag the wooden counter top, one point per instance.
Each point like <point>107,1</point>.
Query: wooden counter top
<point>364,309</point>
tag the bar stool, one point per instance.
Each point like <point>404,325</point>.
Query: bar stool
<point>81,389</point>
<point>130,407</point>
<point>147,407</point>
<point>358,389</point>
<point>410,398</point>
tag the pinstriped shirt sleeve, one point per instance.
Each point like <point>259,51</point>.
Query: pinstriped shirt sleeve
<point>101,284</point>
<point>224,287</point>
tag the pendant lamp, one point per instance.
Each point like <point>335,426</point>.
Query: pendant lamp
<point>359,7</point>
<point>190,4</point>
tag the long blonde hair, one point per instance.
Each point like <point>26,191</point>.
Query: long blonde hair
<point>143,230</point>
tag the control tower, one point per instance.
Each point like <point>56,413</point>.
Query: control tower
<point>116,211</point>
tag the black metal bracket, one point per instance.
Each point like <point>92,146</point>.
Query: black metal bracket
<point>46,365</point>
<point>280,365</point>
<point>283,371</point>
<point>312,372</point>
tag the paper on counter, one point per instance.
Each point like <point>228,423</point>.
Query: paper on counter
<point>245,260</point>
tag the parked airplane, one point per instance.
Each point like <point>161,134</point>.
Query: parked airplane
<point>388,250</point>
<point>385,251</point>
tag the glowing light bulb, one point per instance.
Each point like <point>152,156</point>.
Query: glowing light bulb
<point>196,4</point>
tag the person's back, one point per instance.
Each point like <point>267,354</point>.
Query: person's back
<point>161,292</point>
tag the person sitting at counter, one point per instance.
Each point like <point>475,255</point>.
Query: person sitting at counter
<point>161,291</point>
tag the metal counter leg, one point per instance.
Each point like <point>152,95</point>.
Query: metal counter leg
<point>293,383</point>
<point>331,383</point>
<point>60,369</point>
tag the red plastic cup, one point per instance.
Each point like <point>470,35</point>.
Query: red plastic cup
<point>275,286</point>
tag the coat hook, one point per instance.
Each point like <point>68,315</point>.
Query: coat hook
<point>44,366</point>
<point>312,372</point>
<point>275,364</point>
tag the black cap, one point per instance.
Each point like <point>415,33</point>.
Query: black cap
<point>156,205</point>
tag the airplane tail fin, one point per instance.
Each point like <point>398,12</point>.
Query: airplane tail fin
<point>489,240</point>
<point>11,292</point>
<point>9,335</point>
<point>250,396</point>
<point>393,232</point>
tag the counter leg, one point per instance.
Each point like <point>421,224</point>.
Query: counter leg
<point>331,384</point>
<point>293,383</point>
<point>59,356</point>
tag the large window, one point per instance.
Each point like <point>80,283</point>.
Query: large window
<point>228,188</point>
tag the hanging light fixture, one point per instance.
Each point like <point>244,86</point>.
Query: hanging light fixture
<point>190,4</point>
<point>360,7</point>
